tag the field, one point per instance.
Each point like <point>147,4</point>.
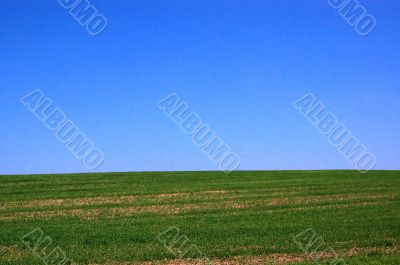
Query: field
<point>246,217</point>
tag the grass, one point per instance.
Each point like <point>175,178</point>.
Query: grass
<point>247,217</point>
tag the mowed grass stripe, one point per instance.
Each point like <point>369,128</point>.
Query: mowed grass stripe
<point>186,197</point>
<point>92,209</point>
<point>74,186</point>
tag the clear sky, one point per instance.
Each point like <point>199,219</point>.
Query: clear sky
<point>238,63</point>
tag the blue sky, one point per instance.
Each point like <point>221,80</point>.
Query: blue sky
<point>238,64</point>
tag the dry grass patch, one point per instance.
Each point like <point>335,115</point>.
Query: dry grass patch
<point>13,252</point>
<point>182,208</point>
<point>88,201</point>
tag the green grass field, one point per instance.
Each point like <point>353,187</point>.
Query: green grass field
<point>247,217</point>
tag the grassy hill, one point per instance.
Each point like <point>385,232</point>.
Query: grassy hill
<point>246,217</point>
